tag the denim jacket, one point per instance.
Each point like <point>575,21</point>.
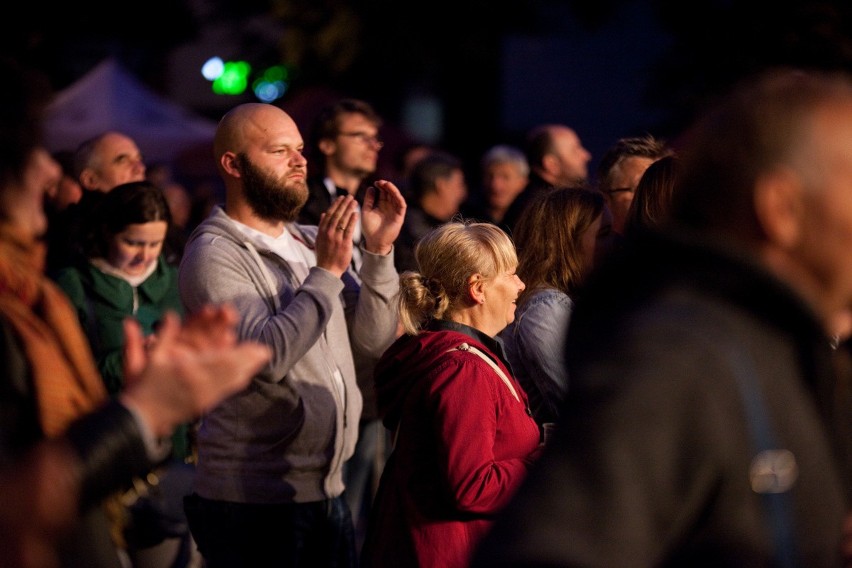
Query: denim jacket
<point>535,347</point>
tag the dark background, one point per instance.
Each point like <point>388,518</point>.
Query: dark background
<point>485,70</point>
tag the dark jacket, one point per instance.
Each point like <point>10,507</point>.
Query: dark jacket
<point>535,187</point>
<point>319,200</point>
<point>417,223</point>
<point>687,362</point>
<point>107,441</point>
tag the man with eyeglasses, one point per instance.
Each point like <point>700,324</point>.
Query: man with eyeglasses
<point>344,152</point>
<point>620,170</point>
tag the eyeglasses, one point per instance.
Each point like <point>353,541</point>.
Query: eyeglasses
<point>364,138</point>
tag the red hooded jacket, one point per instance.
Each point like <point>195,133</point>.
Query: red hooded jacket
<point>464,442</point>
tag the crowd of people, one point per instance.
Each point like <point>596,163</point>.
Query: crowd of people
<point>649,366</point>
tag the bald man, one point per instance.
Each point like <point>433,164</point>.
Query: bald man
<point>269,479</point>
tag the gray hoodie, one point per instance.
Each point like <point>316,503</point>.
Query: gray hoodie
<point>285,437</point>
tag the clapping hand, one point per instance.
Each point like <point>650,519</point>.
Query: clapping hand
<point>334,235</point>
<point>189,369</point>
<point>382,216</point>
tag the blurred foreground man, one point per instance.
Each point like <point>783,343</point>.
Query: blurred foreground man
<point>701,428</point>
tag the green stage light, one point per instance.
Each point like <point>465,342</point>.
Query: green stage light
<point>233,80</point>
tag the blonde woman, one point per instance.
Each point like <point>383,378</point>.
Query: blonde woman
<point>464,437</point>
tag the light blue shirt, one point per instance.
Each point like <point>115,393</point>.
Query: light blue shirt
<point>535,347</point>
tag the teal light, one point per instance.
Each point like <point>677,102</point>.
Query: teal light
<point>272,84</point>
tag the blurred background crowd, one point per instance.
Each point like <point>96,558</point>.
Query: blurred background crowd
<point>462,76</point>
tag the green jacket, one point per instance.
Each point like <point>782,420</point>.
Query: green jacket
<point>103,301</point>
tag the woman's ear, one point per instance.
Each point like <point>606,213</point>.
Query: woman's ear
<point>476,288</point>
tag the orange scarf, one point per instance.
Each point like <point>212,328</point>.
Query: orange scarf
<point>66,380</point>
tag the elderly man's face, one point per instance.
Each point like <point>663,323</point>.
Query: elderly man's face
<point>117,160</point>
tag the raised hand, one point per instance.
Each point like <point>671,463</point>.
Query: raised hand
<point>334,237</point>
<point>382,216</point>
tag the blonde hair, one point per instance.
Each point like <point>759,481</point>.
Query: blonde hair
<point>447,257</point>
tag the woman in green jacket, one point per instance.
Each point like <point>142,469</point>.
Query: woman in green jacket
<point>126,275</point>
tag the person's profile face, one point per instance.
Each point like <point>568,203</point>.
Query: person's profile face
<point>572,156</point>
<point>823,238</point>
<point>625,179</point>
<point>119,161</point>
<point>501,184</point>
<point>605,237</point>
<point>502,293</point>
<point>23,202</point>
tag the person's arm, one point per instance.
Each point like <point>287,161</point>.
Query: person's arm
<point>382,217</point>
<point>106,349</point>
<point>190,369</point>
<point>289,320</point>
<point>470,402</point>
<point>374,320</point>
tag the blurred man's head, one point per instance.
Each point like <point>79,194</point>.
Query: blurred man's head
<point>438,184</point>
<point>769,172</point>
<point>620,170</point>
<point>347,142</point>
<point>108,160</point>
<point>505,173</point>
<point>556,154</point>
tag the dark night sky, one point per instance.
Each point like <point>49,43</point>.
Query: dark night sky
<point>606,67</point>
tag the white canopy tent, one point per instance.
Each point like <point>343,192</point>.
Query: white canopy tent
<point>111,98</point>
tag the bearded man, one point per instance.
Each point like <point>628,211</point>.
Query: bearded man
<point>269,483</point>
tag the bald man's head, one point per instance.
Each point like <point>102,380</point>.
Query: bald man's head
<point>247,123</point>
<point>258,150</point>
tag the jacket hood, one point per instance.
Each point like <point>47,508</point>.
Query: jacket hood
<point>218,223</point>
<point>406,361</point>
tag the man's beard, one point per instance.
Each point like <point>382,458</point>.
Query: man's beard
<point>270,198</point>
